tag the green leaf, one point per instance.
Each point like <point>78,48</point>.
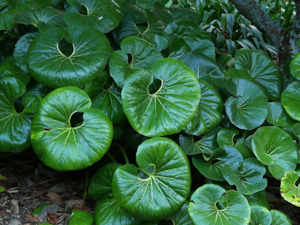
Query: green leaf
<point>9,10</point>
<point>15,122</point>
<point>161,101</point>
<point>277,116</point>
<point>9,68</point>
<point>290,100</point>
<point>262,69</point>
<point>161,184</point>
<point>258,198</point>
<point>204,144</point>
<point>211,166</point>
<point>288,188</point>
<point>21,49</point>
<point>3,183</point>
<point>136,53</point>
<point>43,210</point>
<point>42,19</point>
<point>140,23</point>
<point>247,176</point>
<point>211,204</point>
<point>247,109</point>
<point>146,4</point>
<point>103,15</point>
<point>182,217</point>
<point>109,211</point>
<point>260,216</point>
<point>279,218</point>
<point>55,65</point>
<point>100,183</point>
<point>208,114</point>
<point>80,217</point>
<point>109,100</point>
<point>68,135</point>
<point>275,148</point>
<point>295,66</point>
<point>227,137</point>
<point>190,32</point>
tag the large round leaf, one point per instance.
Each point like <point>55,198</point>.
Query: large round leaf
<point>160,185</point>
<point>136,53</point>
<point>100,183</point>
<point>109,211</point>
<point>248,108</point>
<point>211,205</point>
<point>15,125</point>
<point>161,101</point>
<point>68,135</point>
<point>209,111</point>
<point>247,176</point>
<point>260,216</point>
<point>275,148</point>
<point>279,218</point>
<point>290,100</point>
<point>103,15</point>
<point>80,217</point>
<point>288,188</point>
<point>262,69</point>
<point>204,144</point>
<point>54,66</point>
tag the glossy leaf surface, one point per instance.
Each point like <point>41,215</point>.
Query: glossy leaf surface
<point>247,176</point>
<point>247,108</point>
<point>211,204</point>
<point>275,148</point>
<point>103,15</point>
<point>279,218</point>
<point>52,66</point>
<point>208,114</point>
<point>290,100</point>
<point>136,53</point>
<point>161,184</point>
<point>80,217</point>
<point>260,216</point>
<point>68,135</point>
<point>262,69</point>
<point>161,101</point>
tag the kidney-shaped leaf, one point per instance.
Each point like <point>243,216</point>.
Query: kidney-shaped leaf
<point>53,62</point>
<point>248,108</point>
<point>103,15</point>
<point>260,216</point>
<point>275,148</point>
<point>247,176</point>
<point>262,69</point>
<point>277,115</point>
<point>15,125</point>
<point>136,53</point>
<point>290,100</point>
<point>211,205</point>
<point>161,184</point>
<point>68,135</point>
<point>209,111</point>
<point>161,101</point>
<point>288,188</point>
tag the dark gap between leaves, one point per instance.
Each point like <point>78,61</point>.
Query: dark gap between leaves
<point>154,87</point>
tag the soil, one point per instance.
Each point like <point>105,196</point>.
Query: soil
<point>30,184</point>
